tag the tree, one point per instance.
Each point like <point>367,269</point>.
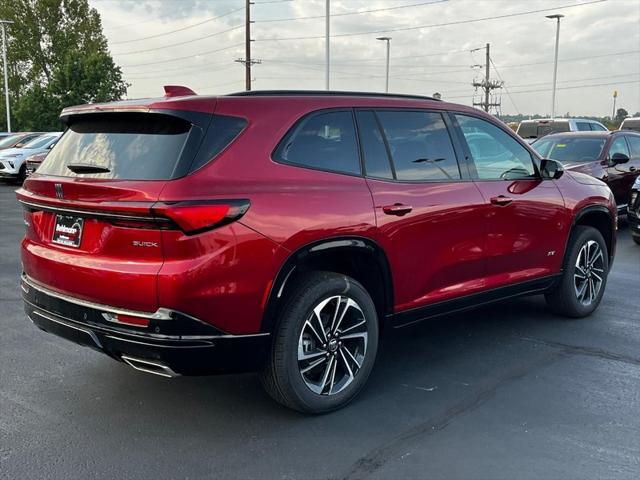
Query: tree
<point>621,114</point>
<point>58,56</point>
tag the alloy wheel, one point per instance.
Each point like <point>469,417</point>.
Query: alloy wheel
<point>588,276</point>
<point>332,345</point>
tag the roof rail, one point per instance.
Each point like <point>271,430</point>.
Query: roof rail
<point>325,93</point>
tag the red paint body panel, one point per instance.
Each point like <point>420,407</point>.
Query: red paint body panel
<point>454,242</point>
<point>437,250</point>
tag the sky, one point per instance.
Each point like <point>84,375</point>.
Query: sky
<point>434,47</point>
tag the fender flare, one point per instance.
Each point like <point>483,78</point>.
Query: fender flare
<point>334,244</point>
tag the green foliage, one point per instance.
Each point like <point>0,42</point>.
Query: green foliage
<point>57,57</point>
<point>621,114</point>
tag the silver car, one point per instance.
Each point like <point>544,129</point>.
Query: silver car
<point>12,160</point>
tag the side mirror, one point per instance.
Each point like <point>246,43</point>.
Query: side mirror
<point>551,169</point>
<point>618,158</point>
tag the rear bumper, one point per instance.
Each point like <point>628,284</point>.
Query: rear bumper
<point>172,344</point>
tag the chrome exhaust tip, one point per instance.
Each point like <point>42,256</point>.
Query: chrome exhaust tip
<point>149,366</point>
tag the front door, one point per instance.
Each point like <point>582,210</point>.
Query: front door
<point>524,215</point>
<point>621,176</point>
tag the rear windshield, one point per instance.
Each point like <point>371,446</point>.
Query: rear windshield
<point>130,146</point>
<point>540,129</point>
<point>576,150</point>
<point>139,146</point>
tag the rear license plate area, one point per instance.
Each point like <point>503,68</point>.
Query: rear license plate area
<point>67,230</point>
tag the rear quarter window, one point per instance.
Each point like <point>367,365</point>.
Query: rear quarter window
<point>322,141</point>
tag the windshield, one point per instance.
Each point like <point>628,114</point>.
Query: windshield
<point>564,149</point>
<point>8,141</point>
<point>40,141</point>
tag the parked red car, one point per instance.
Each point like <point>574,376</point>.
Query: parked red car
<point>613,157</point>
<point>281,231</point>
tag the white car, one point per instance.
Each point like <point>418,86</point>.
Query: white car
<point>12,160</point>
<point>530,130</point>
<point>631,123</point>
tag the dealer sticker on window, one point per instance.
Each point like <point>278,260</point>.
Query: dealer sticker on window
<point>68,230</point>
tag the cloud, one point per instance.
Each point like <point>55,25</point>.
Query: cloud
<point>422,60</point>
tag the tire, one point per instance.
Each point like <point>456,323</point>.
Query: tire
<point>581,287</point>
<point>22,174</point>
<point>299,335</point>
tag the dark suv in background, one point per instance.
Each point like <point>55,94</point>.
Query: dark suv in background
<point>282,231</point>
<point>613,157</point>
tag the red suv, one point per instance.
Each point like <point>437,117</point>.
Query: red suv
<point>282,231</point>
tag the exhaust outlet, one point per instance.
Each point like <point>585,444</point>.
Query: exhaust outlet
<point>149,366</point>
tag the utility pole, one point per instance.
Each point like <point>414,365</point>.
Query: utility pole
<point>556,17</point>
<point>247,61</point>
<point>4,24</point>
<point>327,48</point>
<point>615,96</point>
<point>247,46</point>
<point>487,91</point>
<point>386,84</point>
<point>487,85</point>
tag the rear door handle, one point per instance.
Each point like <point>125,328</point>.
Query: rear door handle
<point>632,169</point>
<point>397,209</point>
<point>501,200</point>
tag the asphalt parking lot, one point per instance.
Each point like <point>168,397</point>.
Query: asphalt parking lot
<point>507,391</point>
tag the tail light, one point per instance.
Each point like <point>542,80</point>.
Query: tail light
<point>196,217</point>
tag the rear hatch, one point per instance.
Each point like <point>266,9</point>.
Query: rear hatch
<point>93,227</point>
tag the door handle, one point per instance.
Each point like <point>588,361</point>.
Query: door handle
<point>397,209</point>
<point>501,200</point>
<point>632,169</point>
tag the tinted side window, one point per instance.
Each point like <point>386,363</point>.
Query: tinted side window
<point>495,154</point>
<point>222,131</point>
<point>374,151</point>
<point>326,141</point>
<point>583,126</point>
<point>420,145</point>
<point>634,144</point>
<point>619,145</point>
<point>598,128</point>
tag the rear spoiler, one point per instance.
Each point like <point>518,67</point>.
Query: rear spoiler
<point>176,98</point>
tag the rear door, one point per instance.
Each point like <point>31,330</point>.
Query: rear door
<point>426,210</point>
<point>524,216</point>
<point>90,231</point>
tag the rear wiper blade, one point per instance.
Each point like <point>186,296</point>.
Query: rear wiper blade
<point>87,168</point>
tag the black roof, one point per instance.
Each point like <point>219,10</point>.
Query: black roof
<point>326,93</point>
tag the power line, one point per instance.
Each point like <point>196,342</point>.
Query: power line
<point>235,45</point>
<point>181,43</point>
<point>565,88</point>
<point>178,29</point>
<point>432,25</point>
<point>360,12</point>
<point>504,85</point>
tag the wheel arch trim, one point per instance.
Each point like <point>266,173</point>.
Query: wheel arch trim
<point>336,245</point>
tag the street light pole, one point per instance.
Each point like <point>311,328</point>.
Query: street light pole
<point>326,47</point>
<point>4,24</point>
<point>386,84</point>
<point>557,17</point>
